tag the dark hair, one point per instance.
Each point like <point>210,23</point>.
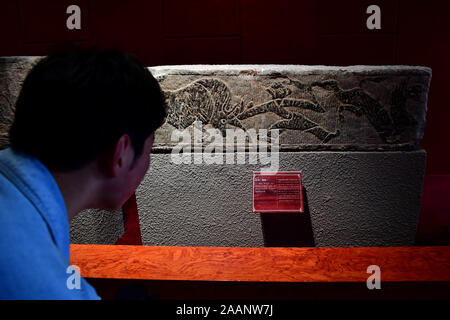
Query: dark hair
<point>75,106</point>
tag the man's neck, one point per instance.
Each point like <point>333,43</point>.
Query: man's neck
<point>77,188</point>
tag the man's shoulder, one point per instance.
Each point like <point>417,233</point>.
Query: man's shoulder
<point>31,265</point>
<point>31,199</point>
<point>17,212</point>
<point>24,235</point>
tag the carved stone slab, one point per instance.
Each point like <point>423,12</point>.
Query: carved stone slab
<point>314,107</point>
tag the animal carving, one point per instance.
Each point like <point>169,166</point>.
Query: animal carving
<point>209,101</point>
<point>205,100</point>
<point>389,125</point>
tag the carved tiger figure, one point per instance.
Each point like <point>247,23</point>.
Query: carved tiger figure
<point>209,100</point>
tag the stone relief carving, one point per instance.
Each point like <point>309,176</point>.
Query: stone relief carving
<point>314,107</point>
<point>210,100</point>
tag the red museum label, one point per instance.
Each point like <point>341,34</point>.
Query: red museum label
<point>277,192</point>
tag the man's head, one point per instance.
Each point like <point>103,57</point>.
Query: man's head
<point>90,108</point>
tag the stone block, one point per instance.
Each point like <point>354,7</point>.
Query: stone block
<point>356,198</point>
<point>94,226</point>
<point>314,107</point>
<point>13,71</point>
<point>353,132</point>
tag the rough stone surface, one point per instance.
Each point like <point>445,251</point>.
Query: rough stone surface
<point>314,107</point>
<point>352,199</point>
<point>96,227</point>
<point>13,71</point>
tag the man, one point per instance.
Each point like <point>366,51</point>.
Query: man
<point>81,138</point>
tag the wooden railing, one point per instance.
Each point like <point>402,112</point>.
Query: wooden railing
<point>397,264</point>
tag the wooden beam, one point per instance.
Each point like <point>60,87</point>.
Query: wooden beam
<point>397,264</point>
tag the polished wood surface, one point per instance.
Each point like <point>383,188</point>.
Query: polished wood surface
<point>398,264</point>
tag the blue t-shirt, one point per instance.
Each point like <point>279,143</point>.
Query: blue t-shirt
<point>34,234</point>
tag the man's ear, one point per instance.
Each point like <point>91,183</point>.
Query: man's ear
<point>118,157</point>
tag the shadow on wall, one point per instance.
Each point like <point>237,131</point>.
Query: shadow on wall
<point>288,229</point>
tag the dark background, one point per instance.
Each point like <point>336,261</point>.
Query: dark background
<point>326,32</point>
